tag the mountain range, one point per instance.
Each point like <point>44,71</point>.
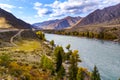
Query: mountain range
<point>8,20</point>
<point>108,15</point>
<point>64,23</point>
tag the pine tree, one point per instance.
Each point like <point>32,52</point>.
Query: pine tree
<point>67,54</point>
<point>73,69</point>
<point>59,56</point>
<point>95,74</point>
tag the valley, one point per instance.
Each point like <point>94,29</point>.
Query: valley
<point>60,40</point>
<point>100,24</point>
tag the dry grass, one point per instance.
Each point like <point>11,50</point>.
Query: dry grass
<point>25,61</point>
<point>27,45</point>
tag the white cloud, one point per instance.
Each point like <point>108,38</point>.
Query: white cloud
<point>54,4</point>
<point>20,7</point>
<point>78,6</point>
<point>71,7</point>
<point>57,13</point>
<point>6,7</point>
<point>40,10</point>
<point>37,4</point>
<point>106,3</point>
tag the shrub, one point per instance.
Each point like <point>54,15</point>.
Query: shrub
<point>52,43</point>
<point>109,36</point>
<point>5,60</point>
<point>16,72</point>
<point>46,63</point>
<point>80,74</point>
<point>41,35</point>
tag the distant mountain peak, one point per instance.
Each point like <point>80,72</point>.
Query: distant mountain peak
<point>58,23</point>
<point>68,17</point>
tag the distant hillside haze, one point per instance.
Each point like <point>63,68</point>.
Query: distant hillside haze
<point>100,16</point>
<point>58,23</point>
<point>8,20</point>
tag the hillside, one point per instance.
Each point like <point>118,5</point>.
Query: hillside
<point>7,20</point>
<point>33,58</point>
<point>100,16</point>
<point>58,23</point>
<point>21,61</point>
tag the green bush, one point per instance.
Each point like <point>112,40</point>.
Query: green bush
<point>47,63</point>
<point>80,74</point>
<point>16,72</point>
<point>5,60</point>
<point>52,43</point>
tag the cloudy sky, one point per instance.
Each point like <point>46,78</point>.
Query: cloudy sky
<point>33,11</point>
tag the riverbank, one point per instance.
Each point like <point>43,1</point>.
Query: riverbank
<point>104,33</point>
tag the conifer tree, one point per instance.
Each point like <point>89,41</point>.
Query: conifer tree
<point>95,74</point>
<point>73,69</point>
<point>59,56</point>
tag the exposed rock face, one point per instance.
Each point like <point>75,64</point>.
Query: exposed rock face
<point>9,20</point>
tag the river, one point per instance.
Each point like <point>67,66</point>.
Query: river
<point>104,54</point>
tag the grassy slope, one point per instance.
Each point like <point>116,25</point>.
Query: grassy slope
<point>24,60</point>
<point>27,45</point>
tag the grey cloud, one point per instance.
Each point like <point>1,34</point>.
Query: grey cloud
<point>48,13</point>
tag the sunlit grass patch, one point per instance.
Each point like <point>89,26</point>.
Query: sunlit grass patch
<point>27,45</point>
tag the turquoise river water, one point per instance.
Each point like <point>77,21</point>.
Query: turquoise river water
<point>104,54</point>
